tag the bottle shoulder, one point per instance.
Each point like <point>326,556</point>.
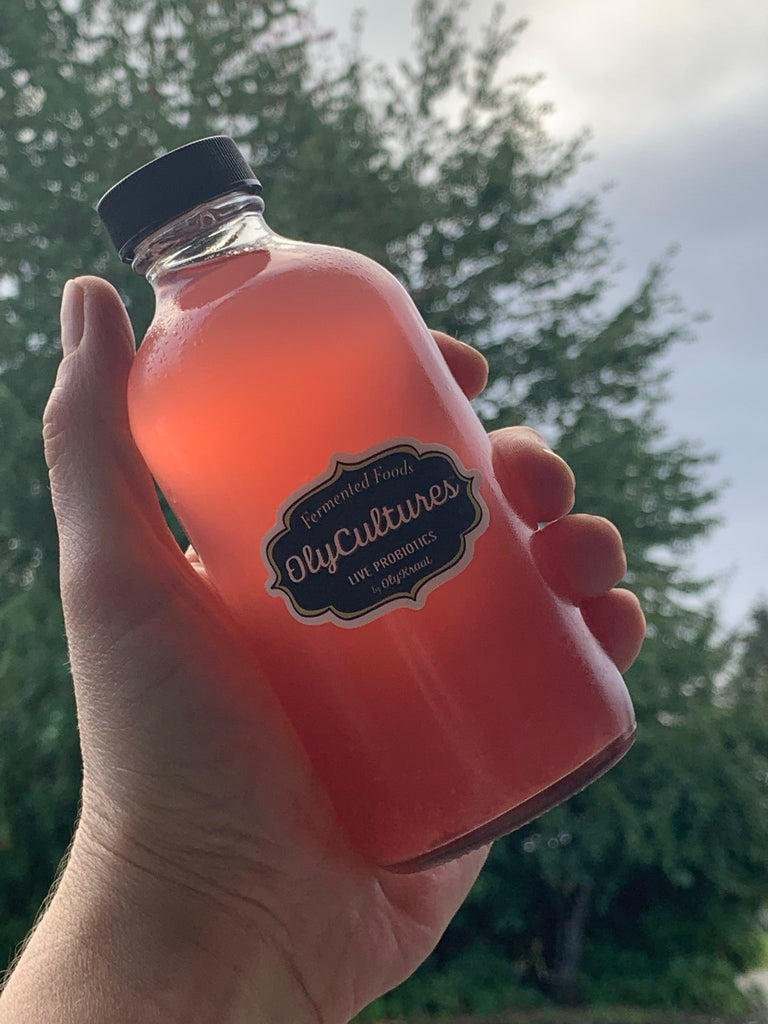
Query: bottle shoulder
<point>329,274</point>
<point>286,271</point>
<point>292,297</point>
<point>298,257</point>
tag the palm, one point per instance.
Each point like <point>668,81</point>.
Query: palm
<point>208,763</point>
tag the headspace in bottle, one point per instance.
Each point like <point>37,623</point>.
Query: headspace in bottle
<point>338,487</point>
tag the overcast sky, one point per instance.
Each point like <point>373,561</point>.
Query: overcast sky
<point>676,95</point>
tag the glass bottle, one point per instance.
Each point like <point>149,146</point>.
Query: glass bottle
<point>339,489</point>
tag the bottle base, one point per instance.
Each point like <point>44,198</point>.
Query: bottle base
<point>525,812</point>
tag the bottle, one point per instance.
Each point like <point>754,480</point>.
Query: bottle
<point>338,487</point>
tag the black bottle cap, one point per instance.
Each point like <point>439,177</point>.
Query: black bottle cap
<point>166,187</point>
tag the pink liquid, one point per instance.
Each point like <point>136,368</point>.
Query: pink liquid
<point>432,729</point>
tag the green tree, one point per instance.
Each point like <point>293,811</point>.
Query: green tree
<point>752,673</point>
<point>445,174</point>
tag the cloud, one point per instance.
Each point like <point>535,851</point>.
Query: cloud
<point>633,70</point>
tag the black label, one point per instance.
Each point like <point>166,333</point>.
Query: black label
<point>378,532</point>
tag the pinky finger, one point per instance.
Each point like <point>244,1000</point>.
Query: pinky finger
<point>618,623</point>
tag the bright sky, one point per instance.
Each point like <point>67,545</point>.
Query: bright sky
<point>676,95</point>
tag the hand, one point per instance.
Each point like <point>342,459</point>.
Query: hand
<point>204,843</point>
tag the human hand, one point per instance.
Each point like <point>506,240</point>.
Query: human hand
<point>208,879</point>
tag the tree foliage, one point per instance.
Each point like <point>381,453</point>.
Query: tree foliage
<point>442,170</point>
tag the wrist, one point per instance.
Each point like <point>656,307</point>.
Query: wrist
<point>193,955</point>
<point>120,941</point>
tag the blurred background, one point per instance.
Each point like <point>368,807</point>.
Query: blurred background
<point>423,134</point>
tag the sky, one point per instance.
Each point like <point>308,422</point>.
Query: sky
<point>675,93</point>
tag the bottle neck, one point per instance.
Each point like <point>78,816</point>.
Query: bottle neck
<point>222,226</point>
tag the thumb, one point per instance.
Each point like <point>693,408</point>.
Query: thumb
<point>113,539</point>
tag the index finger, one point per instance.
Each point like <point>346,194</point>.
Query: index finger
<point>468,366</point>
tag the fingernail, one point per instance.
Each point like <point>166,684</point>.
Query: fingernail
<point>72,316</point>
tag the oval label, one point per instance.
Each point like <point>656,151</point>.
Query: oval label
<point>379,531</point>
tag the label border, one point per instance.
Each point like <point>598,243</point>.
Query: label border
<point>414,600</point>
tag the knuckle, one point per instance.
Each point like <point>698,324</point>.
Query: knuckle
<point>61,410</point>
<point>602,529</point>
<point>601,538</point>
<point>518,436</point>
<point>526,433</point>
<point>611,530</point>
<point>561,468</point>
<point>54,427</point>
